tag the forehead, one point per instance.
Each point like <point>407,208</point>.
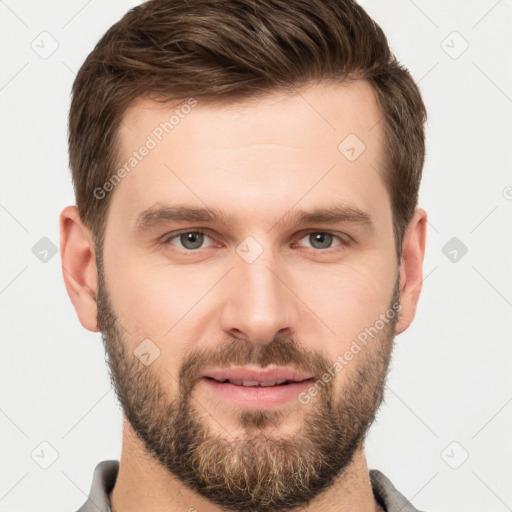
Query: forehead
<point>268,153</point>
<point>329,107</point>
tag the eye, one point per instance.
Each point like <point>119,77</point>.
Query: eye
<point>323,240</point>
<point>190,240</point>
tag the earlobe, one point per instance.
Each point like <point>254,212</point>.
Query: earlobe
<point>411,268</point>
<point>79,266</point>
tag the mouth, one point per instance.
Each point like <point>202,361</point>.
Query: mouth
<point>256,388</point>
<point>258,384</point>
<point>257,376</point>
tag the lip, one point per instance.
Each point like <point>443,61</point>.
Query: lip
<point>256,397</point>
<point>256,374</point>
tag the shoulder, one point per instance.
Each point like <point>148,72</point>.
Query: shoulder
<point>103,480</point>
<point>387,495</point>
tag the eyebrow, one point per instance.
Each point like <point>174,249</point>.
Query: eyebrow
<point>161,214</point>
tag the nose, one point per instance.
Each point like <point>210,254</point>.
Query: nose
<point>259,302</point>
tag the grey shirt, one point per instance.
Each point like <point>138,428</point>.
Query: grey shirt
<point>105,475</point>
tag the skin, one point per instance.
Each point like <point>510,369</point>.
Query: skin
<point>256,160</point>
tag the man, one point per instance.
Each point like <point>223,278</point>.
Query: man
<point>246,239</point>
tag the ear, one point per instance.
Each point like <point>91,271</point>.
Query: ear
<point>79,266</point>
<point>411,268</point>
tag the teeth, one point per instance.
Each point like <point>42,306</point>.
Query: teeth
<point>254,383</point>
<point>249,382</point>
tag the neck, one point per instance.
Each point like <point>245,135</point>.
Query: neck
<point>143,484</point>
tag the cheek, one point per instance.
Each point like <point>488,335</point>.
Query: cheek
<point>348,300</point>
<point>354,309</point>
<point>164,302</point>
<point>152,300</point>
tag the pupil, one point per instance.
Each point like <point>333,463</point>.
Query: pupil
<point>324,239</point>
<point>192,240</point>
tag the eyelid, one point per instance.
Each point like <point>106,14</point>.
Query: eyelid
<point>169,236</point>
<point>342,237</point>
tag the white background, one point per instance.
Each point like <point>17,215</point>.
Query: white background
<point>450,378</point>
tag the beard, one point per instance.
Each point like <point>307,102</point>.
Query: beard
<point>255,468</point>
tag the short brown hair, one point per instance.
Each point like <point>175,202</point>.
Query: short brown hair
<point>228,50</point>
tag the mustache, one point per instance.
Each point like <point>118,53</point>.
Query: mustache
<point>281,351</point>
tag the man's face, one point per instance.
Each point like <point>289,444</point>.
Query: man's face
<point>261,290</point>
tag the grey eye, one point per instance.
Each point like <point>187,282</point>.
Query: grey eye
<point>191,239</point>
<point>323,240</point>
<point>320,240</point>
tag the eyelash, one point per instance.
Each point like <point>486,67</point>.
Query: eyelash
<point>343,242</point>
